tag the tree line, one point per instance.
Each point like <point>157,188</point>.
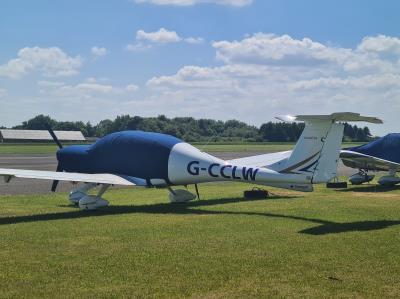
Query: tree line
<point>190,129</point>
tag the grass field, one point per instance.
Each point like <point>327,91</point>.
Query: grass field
<point>326,244</point>
<point>212,147</point>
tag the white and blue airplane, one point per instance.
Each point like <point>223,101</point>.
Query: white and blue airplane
<point>145,159</point>
<point>382,154</point>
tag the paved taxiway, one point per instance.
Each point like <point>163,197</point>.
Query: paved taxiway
<point>49,162</point>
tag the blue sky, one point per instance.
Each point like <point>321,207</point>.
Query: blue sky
<point>250,60</point>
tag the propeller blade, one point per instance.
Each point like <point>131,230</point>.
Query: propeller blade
<point>55,182</point>
<point>53,135</point>
<point>54,186</point>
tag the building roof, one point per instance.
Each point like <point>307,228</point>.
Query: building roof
<point>8,134</point>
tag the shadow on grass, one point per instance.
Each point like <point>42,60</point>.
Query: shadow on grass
<point>324,227</point>
<point>358,226</point>
<point>369,188</point>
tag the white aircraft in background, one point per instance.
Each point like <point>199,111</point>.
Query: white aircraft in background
<point>145,159</point>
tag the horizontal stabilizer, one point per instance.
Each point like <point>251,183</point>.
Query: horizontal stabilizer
<point>338,116</point>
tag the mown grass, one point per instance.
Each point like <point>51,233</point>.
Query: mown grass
<point>22,148</point>
<point>41,148</point>
<point>326,244</point>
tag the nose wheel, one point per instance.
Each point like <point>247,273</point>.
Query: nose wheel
<point>180,195</point>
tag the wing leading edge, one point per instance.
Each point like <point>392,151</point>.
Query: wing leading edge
<point>99,178</point>
<point>357,160</point>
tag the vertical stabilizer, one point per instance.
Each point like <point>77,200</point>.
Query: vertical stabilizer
<point>326,167</point>
<point>316,153</point>
<point>309,148</point>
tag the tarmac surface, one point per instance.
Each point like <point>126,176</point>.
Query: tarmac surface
<point>49,162</point>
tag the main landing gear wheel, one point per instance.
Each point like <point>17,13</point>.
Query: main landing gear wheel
<point>92,202</point>
<point>79,197</point>
<point>80,192</point>
<point>361,177</point>
<point>180,196</point>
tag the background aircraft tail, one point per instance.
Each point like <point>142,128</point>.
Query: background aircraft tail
<point>316,153</point>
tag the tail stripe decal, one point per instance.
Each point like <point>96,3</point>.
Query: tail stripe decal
<point>297,165</point>
<point>307,168</point>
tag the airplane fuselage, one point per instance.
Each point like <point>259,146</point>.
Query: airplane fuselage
<point>162,160</point>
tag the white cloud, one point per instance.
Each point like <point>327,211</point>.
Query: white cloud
<point>91,80</point>
<point>50,62</point>
<point>131,87</point>
<point>45,83</point>
<point>163,36</point>
<point>271,49</point>
<point>381,44</point>
<point>3,93</point>
<point>99,51</point>
<point>265,75</point>
<point>94,87</point>
<point>90,88</point>
<point>138,47</point>
<point>259,77</point>
<point>194,2</point>
<point>146,40</point>
<point>84,90</point>
<point>194,40</point>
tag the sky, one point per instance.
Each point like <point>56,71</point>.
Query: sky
<point>223,59</point>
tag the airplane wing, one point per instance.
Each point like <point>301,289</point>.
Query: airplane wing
<point>101,178</point>
<point>362,161</point>
<point>261,160</point>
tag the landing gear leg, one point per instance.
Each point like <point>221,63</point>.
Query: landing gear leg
<point>103,190</point>
<point>197,191</point>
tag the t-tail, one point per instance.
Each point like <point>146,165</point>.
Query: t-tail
<point>316,153</point>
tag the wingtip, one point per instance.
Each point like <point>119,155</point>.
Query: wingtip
<point>286,118</point>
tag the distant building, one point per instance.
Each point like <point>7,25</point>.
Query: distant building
<point>7,135</point>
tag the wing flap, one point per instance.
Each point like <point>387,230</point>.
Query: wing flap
<point>101,178</point>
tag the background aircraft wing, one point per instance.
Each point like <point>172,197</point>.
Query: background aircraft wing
<point>101,178</point>
<point>261,160</point>
<point>362,161</point>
